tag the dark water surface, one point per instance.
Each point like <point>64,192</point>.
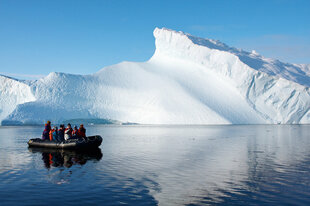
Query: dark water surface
<point>165,165</point>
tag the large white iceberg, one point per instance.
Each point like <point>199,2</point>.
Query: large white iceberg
<point>188,80</point>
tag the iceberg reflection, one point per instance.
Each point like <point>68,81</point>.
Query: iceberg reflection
<point>210,165</point>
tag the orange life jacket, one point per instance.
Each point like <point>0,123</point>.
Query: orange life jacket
<point>51,134</point>
<point>50,158</point>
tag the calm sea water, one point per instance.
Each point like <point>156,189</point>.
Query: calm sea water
<point>165,165</point>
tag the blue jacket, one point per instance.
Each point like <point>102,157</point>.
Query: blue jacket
<point>55,135</point>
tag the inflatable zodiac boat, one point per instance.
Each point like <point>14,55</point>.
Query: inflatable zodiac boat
<point>81,143</point>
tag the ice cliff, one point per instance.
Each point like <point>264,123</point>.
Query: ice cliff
<point>188,80</point>
<point>13,93</point>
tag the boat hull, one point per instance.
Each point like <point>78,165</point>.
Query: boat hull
<point>81,143</point>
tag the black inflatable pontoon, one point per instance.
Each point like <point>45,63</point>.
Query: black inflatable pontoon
<point>81,143</point>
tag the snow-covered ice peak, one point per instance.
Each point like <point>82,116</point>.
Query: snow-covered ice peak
<point>201,50</point>
<point>167,37</point>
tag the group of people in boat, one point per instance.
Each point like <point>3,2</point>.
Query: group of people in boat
<point>61,134</point>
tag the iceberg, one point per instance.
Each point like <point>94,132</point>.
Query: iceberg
<point>188,80</point>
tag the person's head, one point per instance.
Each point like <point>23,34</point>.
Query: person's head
<point>75,127</point>
<point>81,126</point>
<point>62,126</point>
<point>69,125</point>
<point>49,122</point>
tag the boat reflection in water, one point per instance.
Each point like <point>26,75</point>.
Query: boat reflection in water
<point>66,158</point>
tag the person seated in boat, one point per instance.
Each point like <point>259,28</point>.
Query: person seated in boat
<point>54,134</point>
<point>61,133</point>
<point>47,129</point>
<point>81,132</point>
<point>74,132</point>
<point>68,132</point>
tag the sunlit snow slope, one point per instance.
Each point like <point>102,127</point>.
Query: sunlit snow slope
<point>188,80</point>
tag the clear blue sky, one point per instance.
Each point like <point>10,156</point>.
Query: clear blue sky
<point>83,36</point>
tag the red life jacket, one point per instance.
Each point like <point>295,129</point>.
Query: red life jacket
<point>69,131</point>
<point>81,132</point>
<point>75,132</point>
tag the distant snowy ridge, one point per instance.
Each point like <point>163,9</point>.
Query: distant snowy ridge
<point>188,80</point>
